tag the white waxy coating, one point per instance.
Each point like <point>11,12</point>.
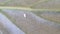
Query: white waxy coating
<point>9,25</point>
<point>1,32</point>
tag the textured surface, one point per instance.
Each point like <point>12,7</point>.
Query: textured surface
<point>24,3</point>
<point>7,27</point>
<point>32,24</point>
<point>35,4</point>
<point>49,15</point>
<point>51,4</point>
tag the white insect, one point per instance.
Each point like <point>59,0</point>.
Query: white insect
<point>25,15</point>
